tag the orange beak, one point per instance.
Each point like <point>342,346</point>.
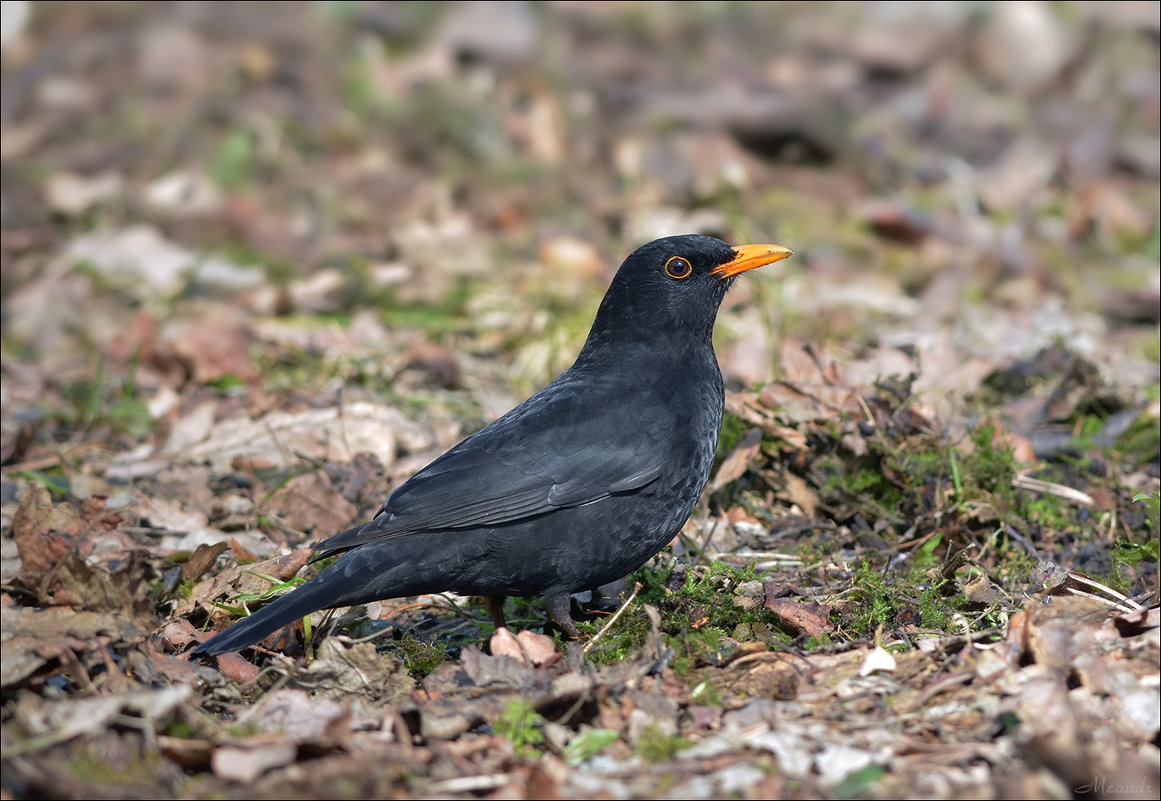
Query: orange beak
<point>749,257</point>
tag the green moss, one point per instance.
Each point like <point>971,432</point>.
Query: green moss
<point>695,647</point>
<point>859,782</point>
<point>419,657</point>
<point>935,610</point>
<point>1047,511</point>
<point>656,746</point>
<point>697,613</point>
<point>990,466</point>
<point>926,557</point>
<point>520,724</point>
<point>1016,567</point>
<point>877,597</point>
<point>181,728</point>
<point>733,429</point>
<point>706,694</point>
<point>1141,443</point>
<point>242,731</point>
<point>587,744</point>
<point>232,164</point>
<point>90,764</point>
<point>890,600</point>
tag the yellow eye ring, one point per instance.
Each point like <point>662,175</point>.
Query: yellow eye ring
<point>678,267</point>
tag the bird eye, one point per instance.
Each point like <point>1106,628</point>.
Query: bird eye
<point>678,267</point>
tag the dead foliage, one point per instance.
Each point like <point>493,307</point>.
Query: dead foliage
<point>259,267</point>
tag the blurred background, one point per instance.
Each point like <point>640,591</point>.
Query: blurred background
<point>262,261</point>
<point>266,202</point>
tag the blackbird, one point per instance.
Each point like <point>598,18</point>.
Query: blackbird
<point>577,486</point>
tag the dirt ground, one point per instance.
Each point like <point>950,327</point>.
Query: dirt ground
<point>262,261</point>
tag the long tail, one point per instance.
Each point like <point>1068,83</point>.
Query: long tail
<point>387,569</point>
<point>318,593</point>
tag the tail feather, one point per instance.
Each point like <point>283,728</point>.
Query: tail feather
<point>283,611</point>
<point>388,569</point>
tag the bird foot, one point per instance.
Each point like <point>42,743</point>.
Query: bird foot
<point>558,609</point>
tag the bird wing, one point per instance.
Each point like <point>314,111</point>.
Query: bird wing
<point>559,449</point>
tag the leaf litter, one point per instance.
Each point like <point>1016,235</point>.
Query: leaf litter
<point>925,565</point>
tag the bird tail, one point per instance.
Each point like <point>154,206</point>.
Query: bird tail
<point>315,594</point>
<point>404,566</point>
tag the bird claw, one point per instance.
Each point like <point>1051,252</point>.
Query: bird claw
<point>558,609</point>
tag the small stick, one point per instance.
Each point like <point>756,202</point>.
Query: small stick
<point>613,619</point>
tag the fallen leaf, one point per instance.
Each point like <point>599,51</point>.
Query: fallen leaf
<point>246,762</point>
<point>285,438</point>
<point>33,638</point>
<point>124,590</point>
<point>735,465</point>
<point>309,504</point>
<point>212,352</point>
<point>299,716</point>
<point>244,579</point>
<point>72,194</point>
<point>504,643</point>
<point>44,533</point>
<point>538,649</point>
<point>201,560</point>
<point>879,658</point>
<point>234,667</point>
<point>340,671</point>
<point>812,619</point>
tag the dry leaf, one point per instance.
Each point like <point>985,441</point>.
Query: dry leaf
<point>812,619</point>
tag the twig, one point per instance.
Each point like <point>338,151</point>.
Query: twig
<point>708,539</point>
<point>938,687</point>
<point>1059,490</point>
<point>613,619</point>
<point>33,464</point>
<point>1024,541</point>
<point>468,784</point>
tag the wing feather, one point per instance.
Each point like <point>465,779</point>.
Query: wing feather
<point>557,450</point>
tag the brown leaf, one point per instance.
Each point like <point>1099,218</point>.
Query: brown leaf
<point>213,352</point>
<point>812,618</point>
<point>283,438</point>
<point>201,560</point>
<point>437,361</point>
<point>122,591</point>
<point>299,716</point>
<point>246,762</point>
<point>496,671</point>
<point>1132,624</point>
<point>179,633</point>
<point>243,579</point>
<point>188,754</point>
<point>35,637</point>
<point>739,460</point>
<point>233,666</point>
<point>307,503</point>
<point>44,533</point>
<point>504,643</point>
<point>981,590</point>
<point>797,491</point>
<point>342,670</point>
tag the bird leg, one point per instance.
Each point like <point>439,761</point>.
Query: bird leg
<point>557,607</point>
<point>496,609</point>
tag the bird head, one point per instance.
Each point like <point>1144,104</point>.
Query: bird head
<point>672,287</point>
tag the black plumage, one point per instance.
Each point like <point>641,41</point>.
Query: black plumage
<point>577,486</point>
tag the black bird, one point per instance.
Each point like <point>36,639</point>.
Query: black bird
<point>577,486</point>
